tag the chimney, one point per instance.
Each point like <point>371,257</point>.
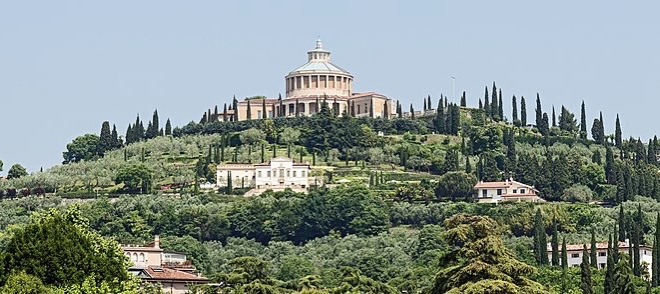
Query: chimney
<point>157,242</point>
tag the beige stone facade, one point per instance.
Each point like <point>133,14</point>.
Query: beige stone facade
<point>279,172</point>
<point>508,190</point>
<point>308,87</point>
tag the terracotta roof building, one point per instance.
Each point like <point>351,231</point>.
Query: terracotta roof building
<point>507,190</point>
<point>574,252</point>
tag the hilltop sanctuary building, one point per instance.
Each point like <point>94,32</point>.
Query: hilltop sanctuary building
<point>307,87</point>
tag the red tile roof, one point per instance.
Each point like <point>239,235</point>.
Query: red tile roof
<point>599,246</point>
<point>166,274</point>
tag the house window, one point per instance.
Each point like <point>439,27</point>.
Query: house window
<point>515,191</point>
<point>268,174</point>
<point>602,253</point>
<point>499,191</point>
<point>141,257</point>
<point>288,173</point>
<point>259,174</point>
<point>294,173</point>
<point>522,191</point>
<point>601,265</point>
<point>302,174</point>
<point>358,111</point>
<point>484,193</point>
<point>575,255</point>
<point>259,114</point>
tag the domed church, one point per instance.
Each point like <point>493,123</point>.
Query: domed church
<point>308,87</point>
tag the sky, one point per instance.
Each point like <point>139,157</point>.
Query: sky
<point>67,66</point>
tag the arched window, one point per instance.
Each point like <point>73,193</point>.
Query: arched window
<point>141,257</point>
<point>135,257</point>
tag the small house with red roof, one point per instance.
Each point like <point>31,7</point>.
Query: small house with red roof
<point>574,253</point>
<point>507,190</point>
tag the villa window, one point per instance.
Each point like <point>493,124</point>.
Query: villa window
<point>302,174</point>
<point>484,193</point>
<point>259,174</point>
<point>259,114</point>
<point>499,191</point>
<point>602,253</point>
<point>141,259</point>
<point>575,255</point>
<point>288,173</point>
<point>515,191</point>
<point>522,191</point>
<point>268,174</point>
<point>294,173</point>
<point>358,110</point>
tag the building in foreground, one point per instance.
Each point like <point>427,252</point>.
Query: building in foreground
<point>277,174</point>
<point>508,190</point>
<point>309,86</point>
<point>171,270</point>
<point>574,252</point>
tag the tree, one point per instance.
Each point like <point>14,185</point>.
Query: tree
<point>471,269</point>
<point>577,193</point>
<point>618,142</point>
<point>487,108</point>
<point>136,177</point>
<point>252,136</point>
<point>594,250</point>
<point>655,262</point>
<point>622,224</point>
<point>168,126</point>
<point>463,100</point>
<point>539,112</point>
<point>81,148</point>
<point>456,185</point>
<point>585,272</point>
<point>289,136</point>
<point>249,109</point>
<point>583,122</point>
<point>540,243</point>
<point>514,111</point>
<point>523,111</point>
<point>22,283</point>
<point>59,249</point>
<point>105,139</point>
<point>494,105</point>
<point>16,171</point>
<point>555,243</point>
<point>623,278</point>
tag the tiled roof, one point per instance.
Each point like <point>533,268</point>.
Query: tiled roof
<point>162,273</point>
<point>578,247</point>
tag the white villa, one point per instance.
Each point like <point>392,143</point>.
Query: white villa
<point>277,174</point>
<point>508,190</point>
<point>574,252</point>
<point>169,269</point>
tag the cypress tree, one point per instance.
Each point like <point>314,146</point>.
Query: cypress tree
<point>623,280</point>
<point>609,166</point>
<point>555,243</point>
<point>481,105</point>
<point>425,107</point>
<point>554,117</point>
<point>230,184</point>
<point>540,243</point>
<point>487,104</point>
<point>564,254</point>
<point>428,102</point>
<point>583,122</point>
<point>129,135</point>
<point>637,239</point>
<point>168,128</point>
<point>456,119</point>
<point>468,166</point>
<point>263,153</point>
<point>594,250</point>
<point>514,111</point>
<point>235,107</point>
<point>224,114</point>
<point>249,109</point>
<point>618,142</point>
<point>543,127</point>
<point>116,142</point>
<point>601,131</point>
<point>523,111</point>
<point>622,224</point>
<point>539,111</point>
<point>494,106</point>
<point>463,100</point>
<point>609,267</point>
<point>585,272</point>
<point>155,124</point>
<point>500,106</point>
<point>440,118</point>
<point>105,142</point>
<point>655,261</point>
<point>412,111</point>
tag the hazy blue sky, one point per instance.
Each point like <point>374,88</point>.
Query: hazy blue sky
<point>66,66</point>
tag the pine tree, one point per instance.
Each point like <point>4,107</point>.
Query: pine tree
<point>540,243</point>
<point>463,100</point>
<point>594,250</point>
<point>514,111</point>
<point>555,243</point>
<point>583,122</point>
<point>618,142</point>
<point>168,128</point>
<point>585,272</point>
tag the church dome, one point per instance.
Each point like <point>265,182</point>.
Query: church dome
<point>319,76</point>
